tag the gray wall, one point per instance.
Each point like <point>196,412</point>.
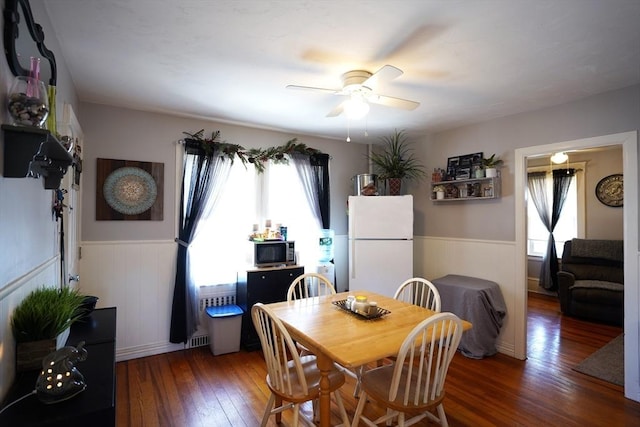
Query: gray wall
<point>133,135</point>
<point>608,113</point>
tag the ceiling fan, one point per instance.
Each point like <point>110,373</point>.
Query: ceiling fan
<point>359,86</point>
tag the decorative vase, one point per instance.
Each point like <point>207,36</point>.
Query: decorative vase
<point>491,172</point>
<point>29,355</point>
<point>395,185</point>
<point>479,173</point>
<point>28,102</point>
<point>440,195</point>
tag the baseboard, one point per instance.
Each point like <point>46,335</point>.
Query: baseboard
<point>136,352</point>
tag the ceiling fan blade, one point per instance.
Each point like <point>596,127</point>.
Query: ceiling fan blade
<point>314,89</point>
<point>384,74</point>
<point>337,110</point>
<point>390,101</point>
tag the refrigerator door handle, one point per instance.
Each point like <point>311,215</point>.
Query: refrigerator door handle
<point>353,259</point>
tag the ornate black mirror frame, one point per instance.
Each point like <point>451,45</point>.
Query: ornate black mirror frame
<point>12,16</point>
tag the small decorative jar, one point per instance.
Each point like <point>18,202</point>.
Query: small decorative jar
<point>350,300</point>
<point>360,305</point>
<point>28,102</point>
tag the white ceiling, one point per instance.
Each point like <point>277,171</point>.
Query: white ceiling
<point>230,60</point>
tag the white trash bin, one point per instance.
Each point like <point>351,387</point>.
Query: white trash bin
<point>225,323</point>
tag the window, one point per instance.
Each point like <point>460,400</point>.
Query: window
<point>571,223</point>
<point>222,247</point>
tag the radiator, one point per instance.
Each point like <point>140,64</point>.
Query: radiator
<point>210,296</point>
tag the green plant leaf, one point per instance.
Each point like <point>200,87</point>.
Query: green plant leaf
<point>396,159</point>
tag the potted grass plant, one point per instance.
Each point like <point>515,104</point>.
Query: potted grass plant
<point>40,324</point>
<point>396,162</point>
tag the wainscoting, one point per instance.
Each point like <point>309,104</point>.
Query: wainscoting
<point>137,277</point>
<point>45,274</point>
<point>487,259</point>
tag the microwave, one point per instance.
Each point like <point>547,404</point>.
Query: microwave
<point>274,252</point>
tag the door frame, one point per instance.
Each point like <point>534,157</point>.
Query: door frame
<point>629,143</point>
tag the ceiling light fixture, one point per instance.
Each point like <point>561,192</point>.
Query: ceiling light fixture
<point>356,107</point>
<point>559,157</point>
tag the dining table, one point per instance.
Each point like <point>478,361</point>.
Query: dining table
<point>336,335</point>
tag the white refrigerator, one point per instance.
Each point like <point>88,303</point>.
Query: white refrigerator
<point>380,243</point>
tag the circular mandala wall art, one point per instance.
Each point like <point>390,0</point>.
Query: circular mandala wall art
<point>130,191</point>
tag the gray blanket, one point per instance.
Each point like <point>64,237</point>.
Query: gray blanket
<point>477,301</point>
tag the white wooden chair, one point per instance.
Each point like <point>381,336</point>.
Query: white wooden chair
<point>313,285</point>
<point>309,285</point>
<point>417,291</point>
<point>414,385</point>
<point>305,286</point>
<point>420,292</point>
<point>290,377</point>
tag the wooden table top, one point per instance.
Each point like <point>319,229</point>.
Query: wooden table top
<point>347,338</point>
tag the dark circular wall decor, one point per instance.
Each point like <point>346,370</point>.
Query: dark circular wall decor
<point>130,190</point>
<point>610,190</point>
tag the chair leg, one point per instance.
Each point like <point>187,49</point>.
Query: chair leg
<point>279,413</point>
<point>442,416</point>
<point>356,390</point>
<point>267,411</point>
<point>343,412</point>
<point>296,415</point>
<point>361,402</point>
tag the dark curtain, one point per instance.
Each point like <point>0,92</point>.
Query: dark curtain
<point>561,182</point>
<point>192,203</point>
<point>320,167</point>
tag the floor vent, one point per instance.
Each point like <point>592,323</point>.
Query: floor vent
<point>199,341</point>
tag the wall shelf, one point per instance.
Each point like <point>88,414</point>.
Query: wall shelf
<point>34,152</point>
<point>468,189</point>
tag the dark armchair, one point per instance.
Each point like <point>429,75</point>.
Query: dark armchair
<point>591,280</point>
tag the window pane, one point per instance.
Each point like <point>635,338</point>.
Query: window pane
<point>222,246</point>
<point>566,228</point>
<point>288,205</point>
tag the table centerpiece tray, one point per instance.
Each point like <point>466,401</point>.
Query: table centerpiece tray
<point>342,304</point>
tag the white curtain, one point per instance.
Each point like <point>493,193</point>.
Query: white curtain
<point>307,178</point>
<point>220,176</point>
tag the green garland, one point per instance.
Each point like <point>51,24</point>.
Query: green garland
<point>257,156</point>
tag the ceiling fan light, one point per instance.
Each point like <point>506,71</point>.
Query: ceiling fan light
<point>355,108</point>
<point>559,157</point>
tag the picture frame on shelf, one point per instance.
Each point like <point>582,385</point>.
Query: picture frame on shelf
<point>463,172</point>
<point>464,167</point>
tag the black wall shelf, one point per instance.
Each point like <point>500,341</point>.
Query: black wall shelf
<point>34,152</point>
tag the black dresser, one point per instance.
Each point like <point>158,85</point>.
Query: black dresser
<point>96,405</point>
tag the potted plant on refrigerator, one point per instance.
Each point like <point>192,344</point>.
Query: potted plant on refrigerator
<point>40,323</point>
<point>396,162</point>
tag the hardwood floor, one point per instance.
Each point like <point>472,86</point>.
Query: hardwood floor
<point>193,388</point>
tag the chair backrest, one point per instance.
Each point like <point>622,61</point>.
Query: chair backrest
<point>286,374</point>
<point>423,360</point>
<point>420,292</point>
<point>309,285</point>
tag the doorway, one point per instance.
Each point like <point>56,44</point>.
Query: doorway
<point>628,141</point>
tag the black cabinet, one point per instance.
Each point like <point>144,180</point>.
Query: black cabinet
<point>96,405</point>
<point>34,152</point>
<point>265,285</point>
